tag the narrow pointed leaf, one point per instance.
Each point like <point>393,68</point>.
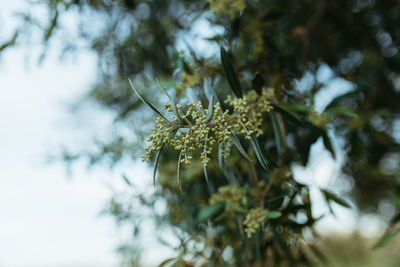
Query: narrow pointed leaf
<point>210,109</point>
<point>239,146</point>
<point>336,101</point>
<point>141,97</point>
<point>386,238</point>
<point>330,196</point>
<point>230,73</point>
<point>257,150</point>
<point>221,162</point>
<point>204,166</point>
<point>328,145</point>
<point>179,170</point>
<point>156,164</point>
<point>205,173</point>
<point>289,115</point>
<point>163,89</point>
<point>278,134</point>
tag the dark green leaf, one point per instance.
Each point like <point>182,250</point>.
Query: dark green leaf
<point>204,166</point>
<point>210,109</point>
<point>279,139</point>
<point>210,211</point>
<point>343,112</point>
<point>275,202</point>
<point>260,156</point>
<point>258,83</point>
<point>386,238</point>
<point>289,115</point>
<point>239,146</point>
<point>230,73</point>
<point>330,196</point>
<point>336,101</point>
<point>156,164</point>
<point>328,144</point>
<point>179,170</point>
<point>141,97</point>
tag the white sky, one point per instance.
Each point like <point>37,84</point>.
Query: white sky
<point>45,218</point>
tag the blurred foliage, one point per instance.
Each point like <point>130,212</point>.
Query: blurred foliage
<point>267,44</point>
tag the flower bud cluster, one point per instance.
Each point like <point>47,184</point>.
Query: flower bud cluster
<point>254,219</point>
<point>319,120</point>
<point>194,129</point>
<point>228,7</point>
<point>250,109</point>
<point>230,194</point>
<point>188,80</point>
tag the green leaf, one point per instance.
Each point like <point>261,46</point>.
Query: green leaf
<point>221,162</point>
<point>330,196</point>
<point>279,140</point>
<point>258,83</point>
<point>163,89</point>
<point>273,214</point>
<point>179,170</point>
<point>205,173</point>
<point>144,100</point>
<point>239,146</point>
<point>328,144</point>
<point>396,199</point>
<point>343,112</point>
<point>230,73</point>
<point>336,101</point>
<point>156,164</point>
<point>386,238</point>
<point>210,211</point>
<point>275,202</point>
<point>289,115</point>
<point>204,166</point>
<point>260,156</point>
<point>210,109</point>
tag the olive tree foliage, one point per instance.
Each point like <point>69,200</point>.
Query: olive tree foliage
<point>228,126</point>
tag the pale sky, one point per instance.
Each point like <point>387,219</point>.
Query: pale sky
<point>47,219</point>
